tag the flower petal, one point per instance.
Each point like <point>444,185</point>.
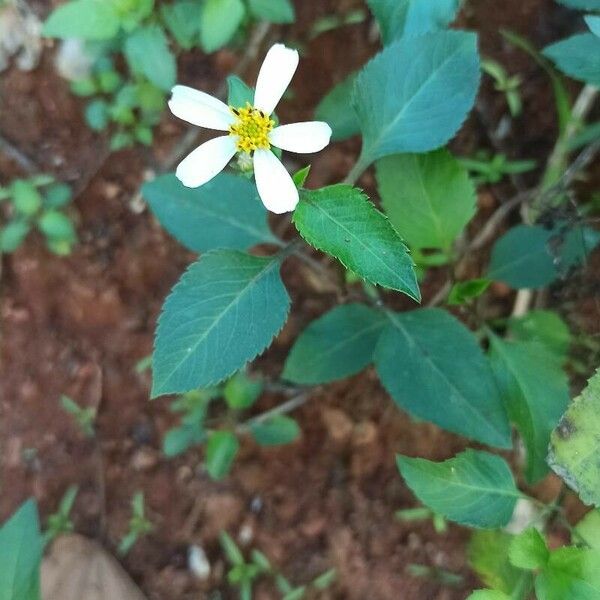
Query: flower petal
<point>303,138</point>
<point>200,109</point>
<point>275,186</point>
<point>206,161</point>
<point>275,75</point>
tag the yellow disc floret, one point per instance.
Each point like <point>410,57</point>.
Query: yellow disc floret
<point>252,128</point>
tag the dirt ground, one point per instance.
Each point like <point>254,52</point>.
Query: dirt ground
<point>78,326</point>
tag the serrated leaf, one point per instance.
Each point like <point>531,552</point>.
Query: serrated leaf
<point>224,311</point>
<point>488,557</point>
<point>530,256</point>
<point>84,19</point>
<point>429,198</point>
<point>398,18</point>
<point>578,56</point>
<point>147,52</point>
<point>335,109</point>
<point>275,431</point>
<point>224,213</point>
<point>414,96</point>
<point>337,345</point>
<point>221,450</point>
<point>274,11</point>
<point>474,488</point>
<point>433,367</point>
<point>220,21</point>
<point>20,555</point>
<point>572,573</point>
<point>341,221</point>
<point>535,391</point>
<point>528,550</point>
<point>575,444</point>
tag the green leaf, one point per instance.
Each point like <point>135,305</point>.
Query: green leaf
<point>341,221</point>
<point>544,327</point>
<point>535,392</point>
<point>464,291</point>
<point>474,488</point>
<point>56,225</point>
<point>221,450</point>
<point>335,109</point>
<point>84,19</point>
<point>415,95</point>
<point>575,444</point>
<point>488,556</point>
<point>183,21</point>
<point>180,439</point>
<point>97,114</point>
<point>530,256</point>
<point>224,311</point>
<point>588,529</point>
<point>578,56</point>
<point>593,22</point>
<point>226,212</point>
<point>12,235</point>
<point>231,549</point>
<point>274,11</point>
<point>528,550</point>
<point>239,93</point>
<point>57,195</point>
<point>398,18</point>
<point>241,392</point>
<point>571,573</point>
<point>488,595</point>
<point>276,431</point>
<point>27,200</point>
<point>147,52</point>
<point>429,198</point>
<point>433,367</point>
<point>20,555</point>
<point>337,345</point>
<point>219,23</point>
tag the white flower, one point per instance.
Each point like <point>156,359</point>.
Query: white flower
<point>250,130</point>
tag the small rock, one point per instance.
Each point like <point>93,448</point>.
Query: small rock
<point>198,562</point>
<point>339,426</point>
<point>144,459</point>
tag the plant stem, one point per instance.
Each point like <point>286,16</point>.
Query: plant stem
<point>286,407</point>
<point>357,170</point>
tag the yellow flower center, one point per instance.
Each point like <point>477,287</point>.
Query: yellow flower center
<point>252,128</point>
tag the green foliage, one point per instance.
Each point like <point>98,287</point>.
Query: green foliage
<point>493,169</point>
<point>588,529</point>
<point>60,522</point>
<point>239,93</point>
<point>220,21</point>
<point>575,445</point>
<point>544,327</point>
<point>401,114</point>
<point>139,525</point>
<point>529,550</point>
<point>84,416</point>
<point>333,109</point>
<point>341,221</point>
<point>433,367</point>
<point>275,431</point>
<point>339,344</point>
<point>221,450</point>
<point>224,213</point>
<point>37,203</point>
<point>398,18</point>
<point>530,256</point>
<point>488,595</point>
<point>578,56</point>
<point>224,311</point>
<point>505,84</point>
<point>240,392</point>
<point>274,11</point>
<point>582,4</point>
<point>428,197</point>
<point>535,391</point>
<point>182,19</point>
<point>85,19</point>
<point>593,22</point>
<point>474,488</point>
<point>465,291</point>
<point>20,554</point>
<point>488,557</point>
